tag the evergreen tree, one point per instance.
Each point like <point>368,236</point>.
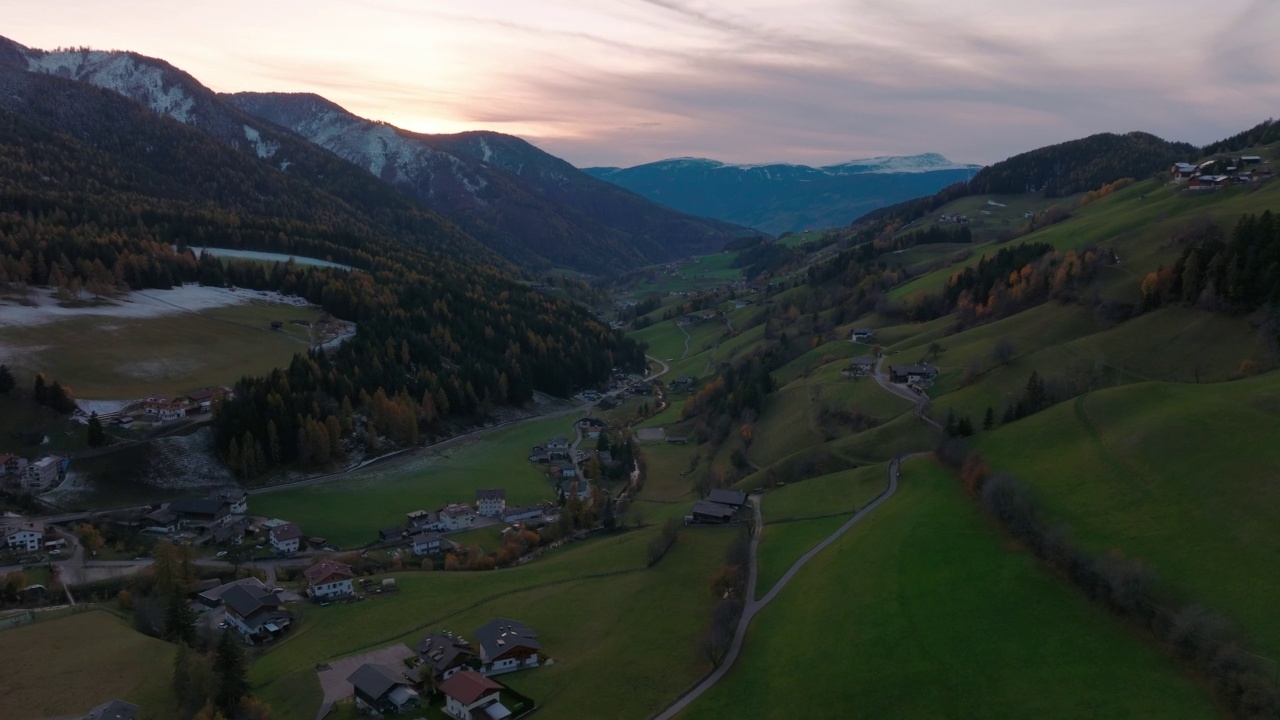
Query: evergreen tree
<point>231,674</point>
<point>179,620</point>
<point>989,420</point>
<point>181,671</point>
<point>40,391</point>
<point>7,381</point>
<point>97,436</point>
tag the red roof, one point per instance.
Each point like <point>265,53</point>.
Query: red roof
<point>325,569</point>
<point>468,686</point>
<point>287,531</point>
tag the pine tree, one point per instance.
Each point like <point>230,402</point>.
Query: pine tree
<point>989,420</point>
<point>231,673</point>
<point>7,381</point>
<point>97,436</point>
<point>179,621</point>
<point>273,443</point>
<point>181,670</point>
<point>40,391</point>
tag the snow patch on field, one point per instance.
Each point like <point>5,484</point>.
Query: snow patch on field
<point>44,307</point>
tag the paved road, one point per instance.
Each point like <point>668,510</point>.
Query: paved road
<point>921,401</point>
<point>755,606</point>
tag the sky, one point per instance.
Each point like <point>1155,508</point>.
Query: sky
<point>622,82</point>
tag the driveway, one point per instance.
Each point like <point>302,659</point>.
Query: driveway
<point>333,680</point>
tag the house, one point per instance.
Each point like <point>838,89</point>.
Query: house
<point>684,381</point>
<point>539,454</point>
<point>22,535</point>
<point>257,613</point>
<point>445,653</point>
<point>113,710</point>
<point>1209,182</point>
<point>506,646</point>
<point>1183,172</point>
<point>162,521</point>
<point>587,422</point>
<point>912,373</point>
<point>862,335</point>
<point>859,366</point>
<point>44,473</point>
<point>468,695</point>
<point>571,486</point>
<point>429,543</point>
<point>1247,160</point>
<point>201,401</point>
<point>391,534</point>
<point>732,498</point>
<point>164,408</point>
<point>237,501</point>
<point>5,459</point>
<point>232,533</point>
<point>422,521</point>
<point>382,689</point>
<point>563,469</point>
<point>593,431</point>
<point>329,578</point>
<point>705,511</point>
<point>559,442</point>
<point>211,511</point>
<point>491,503</point>
<point>286,538</point>
<point>677,439</point>
<point>213,597</point>
<point>457,517</point>
<point>517,514</point>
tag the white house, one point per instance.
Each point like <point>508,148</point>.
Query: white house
<point>329,578</point>
<point>491,503</point>
<point>23,535</point>
<point>457,517</point>
<point>43,473</point>
<point>468,695</point>
<point>427,543</point>
<point>506,646</point>
<point>239,500</point>
<point>861,335</point>
<point>286,538</point>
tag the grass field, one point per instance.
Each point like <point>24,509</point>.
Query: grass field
<point>66,666</point>
<point>1182,477</point>
<point>923,612</point>
<point>132,358</point>
<point>597,611</point>
<point>350,512</point>
<point>838,493</point>
<point>704,271</point>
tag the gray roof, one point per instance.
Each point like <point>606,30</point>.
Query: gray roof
<point>863,360</point>
<point>920,369</point>
<point>217,594</point>
<point>113,710</point>
<point>501,634</point>
<point>491,494</point>
<point>443,650</point>
<point>376,680</point>
<point>246,600</point>
<point>727,497</point>
<point>197,506</point>
<point>713,509</point>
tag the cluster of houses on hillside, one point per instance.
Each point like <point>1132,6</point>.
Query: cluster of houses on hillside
<point>719,507</point>
<point>33,475</point>
<point>168,408</point>
<point>424,530</point>
<point>1221,172</point>
<point>918,376</point>
<point>461,672</point>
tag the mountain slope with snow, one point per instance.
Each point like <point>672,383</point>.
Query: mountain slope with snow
<point>531,207</point>
<point>782,197</point>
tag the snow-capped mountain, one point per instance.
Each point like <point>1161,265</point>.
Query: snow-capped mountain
<point>530,206</point>
<point>782,197</point>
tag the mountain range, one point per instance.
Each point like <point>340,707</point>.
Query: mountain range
<point>532,209</point>
<point>778,198</point>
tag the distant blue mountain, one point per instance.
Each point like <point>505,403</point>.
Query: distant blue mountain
<point>780,198</point>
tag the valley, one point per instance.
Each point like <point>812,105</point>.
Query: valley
<point>504,434</point>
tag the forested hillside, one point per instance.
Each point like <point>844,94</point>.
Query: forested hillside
<point>99,206</point>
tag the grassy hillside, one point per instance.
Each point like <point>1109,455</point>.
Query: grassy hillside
<point>923,612</point>
<point>66,666</point>
<point>1179,476</point>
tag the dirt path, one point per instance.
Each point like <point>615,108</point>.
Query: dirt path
<point>920,401</point>
<point>684,354</point>
<point>753,607</point>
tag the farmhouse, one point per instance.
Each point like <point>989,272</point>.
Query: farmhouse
<point>506,646</point>
<point>113,710</point>
<point>429,543</point>
<point>382,689</point>
<point>22,535</point>
<point>257,613</point>
<point>212,511</point>
<point>558,443</point>
<point>328,578</point>
<point>705,511</point>
<point>1183,172</point>
<point>859,366</point>
<point>202,400</point>
<point>912,373</point>
<point>213,597</point>
<point>571,487</point>
<point>285,538</point>
<point>445,653</point>
<point>862,335</point>
<point>164,408</point>
<point>237,501</point>
<point>457,517</point>
<point>163,520</point>
<point>422,520</point>
<point>733,498</point>
<point>491,503</point>
<point>677,439</point>
<point>1209,182</point>
<point>469,695</point>
<point>562,469</point>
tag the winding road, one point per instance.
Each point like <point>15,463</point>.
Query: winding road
<point>921,401</point>
<point>753,606</point>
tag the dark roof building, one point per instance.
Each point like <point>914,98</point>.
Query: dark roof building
<point>445,653</point>
<point>200,509</point>
<point>113,710</point>
<point>214,597</point>
<point>725,496</point>
<point>711,512</point>
<point>505,644</point>
<point>382,688</point>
